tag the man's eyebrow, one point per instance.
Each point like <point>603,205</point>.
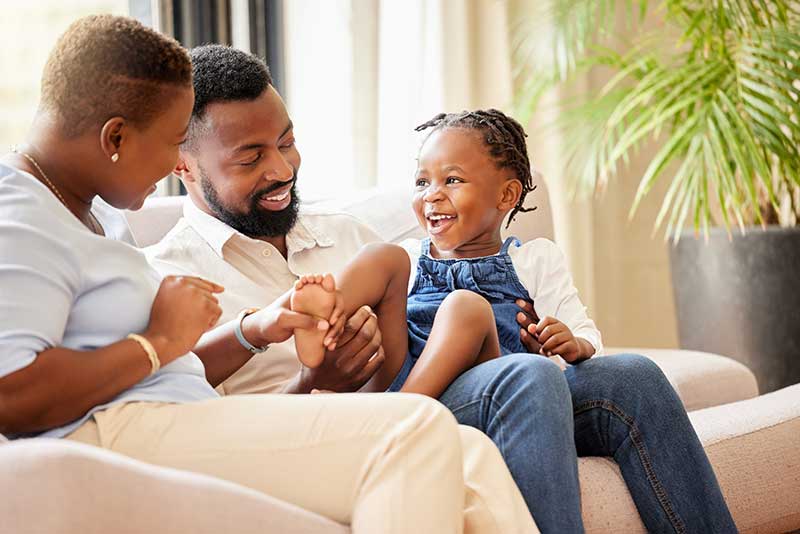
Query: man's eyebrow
<point>249,146</point>
<point>287,130</point>
<point>257,146</point>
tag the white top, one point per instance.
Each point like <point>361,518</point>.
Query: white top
<point>254,274</point>
<point>63,286</point>
<point>542,269</point>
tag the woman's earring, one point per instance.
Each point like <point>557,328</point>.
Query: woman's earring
<point>114,157</point>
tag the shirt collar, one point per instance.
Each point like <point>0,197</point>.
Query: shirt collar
<point>305,234</point>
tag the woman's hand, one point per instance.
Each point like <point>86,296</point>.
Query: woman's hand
<point>184,309</point>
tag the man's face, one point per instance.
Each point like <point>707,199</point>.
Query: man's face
<point>244,165</point>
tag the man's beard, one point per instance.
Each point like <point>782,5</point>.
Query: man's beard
<point>257,221</point>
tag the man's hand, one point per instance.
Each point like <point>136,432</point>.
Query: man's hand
<point>357,356</point>
<point>527,320</point>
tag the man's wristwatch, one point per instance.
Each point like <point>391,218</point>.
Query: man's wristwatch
<point>240,336</point>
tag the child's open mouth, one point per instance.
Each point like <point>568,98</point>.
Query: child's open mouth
<point>439,222</point>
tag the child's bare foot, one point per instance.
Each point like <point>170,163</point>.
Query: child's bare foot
<point>314,295</point>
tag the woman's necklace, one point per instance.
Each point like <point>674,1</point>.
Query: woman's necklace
<point>94,225</point>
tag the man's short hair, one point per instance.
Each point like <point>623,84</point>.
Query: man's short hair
<point>224,74</point>
<point>105,66</point>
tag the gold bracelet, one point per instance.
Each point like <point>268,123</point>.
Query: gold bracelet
<point>155,363</point>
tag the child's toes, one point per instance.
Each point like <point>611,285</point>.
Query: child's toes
<point>328,283</point>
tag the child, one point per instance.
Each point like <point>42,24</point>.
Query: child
<point>467,285</point>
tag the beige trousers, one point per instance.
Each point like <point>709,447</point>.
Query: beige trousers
<point>383,463</point>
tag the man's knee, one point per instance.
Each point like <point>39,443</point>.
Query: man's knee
<point>535,375</point>
<point>639,377</point>
<point>635,368</point>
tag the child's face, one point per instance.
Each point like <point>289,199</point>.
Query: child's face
<point>461,196</point>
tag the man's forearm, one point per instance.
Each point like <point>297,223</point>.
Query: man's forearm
<point>221,352</point>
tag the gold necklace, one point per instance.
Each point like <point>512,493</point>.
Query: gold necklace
<point>95,224</point>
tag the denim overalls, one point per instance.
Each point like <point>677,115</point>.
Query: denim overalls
<point>492,277</point>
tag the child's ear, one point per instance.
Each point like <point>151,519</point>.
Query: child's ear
<point>511,192</point>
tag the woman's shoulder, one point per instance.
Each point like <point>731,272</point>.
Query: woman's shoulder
<point>23,198</point>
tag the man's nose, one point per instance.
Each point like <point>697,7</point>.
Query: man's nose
<point>279,169</point>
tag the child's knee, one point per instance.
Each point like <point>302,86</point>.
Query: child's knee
<point>388,257</point>
<point>469,305</point>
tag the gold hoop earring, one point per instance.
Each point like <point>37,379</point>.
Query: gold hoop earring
<point>114,157</point>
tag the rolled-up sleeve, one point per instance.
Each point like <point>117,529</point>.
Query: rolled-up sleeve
<point>38,280</point>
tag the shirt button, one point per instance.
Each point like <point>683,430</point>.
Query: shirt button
<point>266,253</point>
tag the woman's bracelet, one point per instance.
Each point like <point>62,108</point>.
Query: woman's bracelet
<point>155,363</point>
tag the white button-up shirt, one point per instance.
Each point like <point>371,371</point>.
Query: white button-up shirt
<point>254,274</point>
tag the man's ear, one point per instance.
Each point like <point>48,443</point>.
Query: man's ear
<point>511,192</point>
<point>183,170</point>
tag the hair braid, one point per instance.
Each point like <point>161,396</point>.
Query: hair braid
<point>505,139</point>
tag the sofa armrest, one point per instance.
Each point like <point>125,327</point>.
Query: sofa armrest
<point>754,448</point>
<point>755,453</point>
<point>62,486</point>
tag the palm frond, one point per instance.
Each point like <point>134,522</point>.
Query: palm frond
<point>724,103</point>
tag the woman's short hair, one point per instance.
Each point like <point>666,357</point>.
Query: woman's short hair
<point>106,66</point>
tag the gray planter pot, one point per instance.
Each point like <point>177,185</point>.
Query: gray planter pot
<point>741,298</point>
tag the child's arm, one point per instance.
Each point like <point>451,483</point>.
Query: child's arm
<point>542,269</point>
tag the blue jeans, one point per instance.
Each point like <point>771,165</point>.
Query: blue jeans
<point>542,419</point>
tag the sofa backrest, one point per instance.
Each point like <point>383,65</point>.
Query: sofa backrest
<point>386,210</point>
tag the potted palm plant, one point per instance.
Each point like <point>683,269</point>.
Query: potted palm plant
<point>716,87</point>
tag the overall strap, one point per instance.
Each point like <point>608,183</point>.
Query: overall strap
<point>507,243</point>
<point>425,247</point>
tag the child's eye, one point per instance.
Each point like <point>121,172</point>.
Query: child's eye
<point>421,182</point>
<point>454,180</point>
<point>288,145</point>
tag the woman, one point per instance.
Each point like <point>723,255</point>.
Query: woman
<point>88,331</point>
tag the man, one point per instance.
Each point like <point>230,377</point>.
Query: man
<point>242,229</point>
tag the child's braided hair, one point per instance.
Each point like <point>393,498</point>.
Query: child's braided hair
<point>505,139</point>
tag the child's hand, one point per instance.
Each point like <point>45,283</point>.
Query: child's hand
<point>557,338</point>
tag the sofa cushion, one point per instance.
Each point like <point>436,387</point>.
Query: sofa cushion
<point>753,448</point>
<point>63,486</point>
<point>701,379</point>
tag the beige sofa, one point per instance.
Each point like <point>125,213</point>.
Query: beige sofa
<point>753,442</point>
